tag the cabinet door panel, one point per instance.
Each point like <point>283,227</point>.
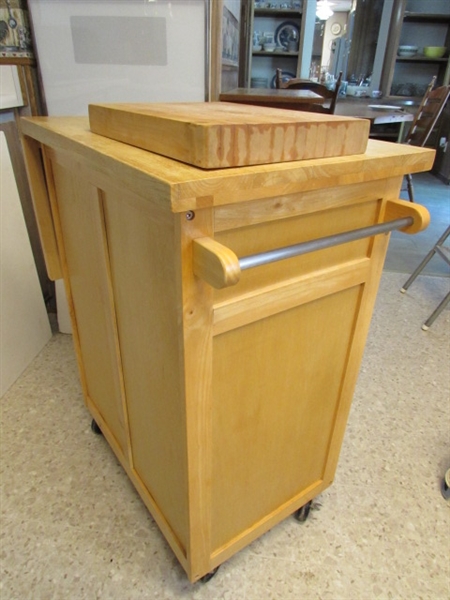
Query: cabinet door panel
<point>276,394</point>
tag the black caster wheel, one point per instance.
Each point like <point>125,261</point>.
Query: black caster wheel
<point>445,485</point>
<point>302,513</point>
<point>209,575</point>
<point>95,428</point>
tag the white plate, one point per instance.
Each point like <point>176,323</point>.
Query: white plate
<point>385,107</point>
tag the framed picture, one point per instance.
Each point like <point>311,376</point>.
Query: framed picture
<point>230,39</point>
<point>225,35</point>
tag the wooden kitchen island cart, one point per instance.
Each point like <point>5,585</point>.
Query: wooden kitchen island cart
<point>219,315</point>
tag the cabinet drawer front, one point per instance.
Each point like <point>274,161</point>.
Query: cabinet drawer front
<point>266,236</point>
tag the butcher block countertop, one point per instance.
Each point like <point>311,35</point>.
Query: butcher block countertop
<point>224,134</point>
<point>185,187</point>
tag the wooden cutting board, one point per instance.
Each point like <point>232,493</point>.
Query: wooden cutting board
<point>215,135</point>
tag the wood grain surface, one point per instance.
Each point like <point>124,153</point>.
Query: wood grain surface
<point>220,134</point>
<point>226,407</point>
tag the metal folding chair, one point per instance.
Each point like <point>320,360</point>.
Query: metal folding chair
<point>443,252</point>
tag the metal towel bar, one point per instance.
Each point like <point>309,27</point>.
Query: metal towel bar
<point>264,258</point>
<point>221,267</point>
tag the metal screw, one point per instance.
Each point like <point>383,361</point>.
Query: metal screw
<point>190,215</point>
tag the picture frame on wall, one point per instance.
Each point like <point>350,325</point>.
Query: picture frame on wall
<point>230,39</point>
<point>225,38</point>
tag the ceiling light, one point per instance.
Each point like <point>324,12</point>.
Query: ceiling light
<point>323,10</point>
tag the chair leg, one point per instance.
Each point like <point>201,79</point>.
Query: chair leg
<point>426,260</point>
<point>438,249</point>
<point>417,271</point>
<point>410,187</point>
<point>431,319</point>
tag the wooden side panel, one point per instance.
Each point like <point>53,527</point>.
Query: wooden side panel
<point>144,278</point>
<point>41,203</point>
<point>79,206</point>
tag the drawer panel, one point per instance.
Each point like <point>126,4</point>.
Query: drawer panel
<point>265,236</point>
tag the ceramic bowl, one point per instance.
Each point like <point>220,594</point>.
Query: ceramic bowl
<point>407,51</point>
<point>269,47</point>
<point>434,51</point>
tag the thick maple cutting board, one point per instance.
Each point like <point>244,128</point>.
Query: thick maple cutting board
<point>214,135</point>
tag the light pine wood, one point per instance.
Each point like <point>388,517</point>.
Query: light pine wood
<point>398,209</point>
<point>219,266</point>
<point>277,409</point>
<point>180,187</point>
<point>269,235</point>
<point>215,264</point>
<point>245,309</point>
<point>283,206</point>
<point>195,298</point>
<point>217,135</point>
<point>81,218</point>
<point>141,246</point>
<point>42,209</point>
<point>226,407</point>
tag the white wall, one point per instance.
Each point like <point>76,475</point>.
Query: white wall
<point>24,324</point>
<point>140,70</point>
<point>339,18</point>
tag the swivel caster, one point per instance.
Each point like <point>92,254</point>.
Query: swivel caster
<point>302,513</point>
<point>209,575</point>
<point>445,485</point>
<point>95,428</point>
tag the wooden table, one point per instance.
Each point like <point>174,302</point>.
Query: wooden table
<point>274,98</point>
<point>222,387</point>
<point>362,109</point>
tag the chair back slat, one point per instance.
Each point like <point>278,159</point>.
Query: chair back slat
<point>428,113</point>
<point>329,96</point>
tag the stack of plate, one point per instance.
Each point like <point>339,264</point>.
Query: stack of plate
<point>407,51</point>
<point>259,82</point>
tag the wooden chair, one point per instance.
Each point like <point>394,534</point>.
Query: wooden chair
<point>424,121</point>
<point>329,96</point>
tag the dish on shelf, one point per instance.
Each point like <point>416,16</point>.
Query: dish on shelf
<point>434,51</point>
<point>385,107</point>
<point>287,32</point>
<point>259,82</point>
<point>403,89</point>
<point>285,76</point>
<point>407,51</point>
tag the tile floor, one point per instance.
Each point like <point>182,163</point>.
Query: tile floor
<point>74,528</point>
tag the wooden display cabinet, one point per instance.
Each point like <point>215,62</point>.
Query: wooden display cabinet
<point>279,23</point>
<point>223,392</point>
<point>417,23</point>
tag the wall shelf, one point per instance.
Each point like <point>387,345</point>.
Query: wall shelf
<point>409,27</point>
<point>281,12</point>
